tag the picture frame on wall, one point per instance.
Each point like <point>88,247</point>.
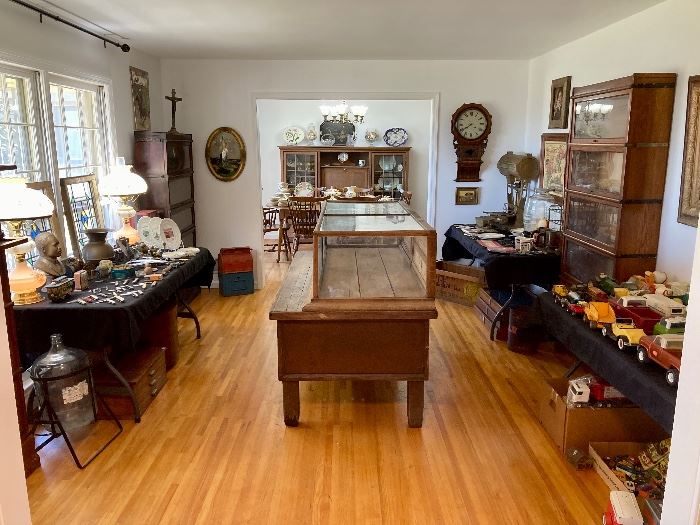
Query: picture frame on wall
<point>689,205</point>
<point>467,195</point>
<point>140,99</point>
<point>559,103</point>
<point>553,158</point>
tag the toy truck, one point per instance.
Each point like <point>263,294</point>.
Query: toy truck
<point>636,308</point>
<point>670,325</point>
<point>666,306</point>
<point>598,314</point>
<point>665,350</point>
<point>559,291</point>
<point>624,332</point>
<point>595,293</point>
<point>622,510</point>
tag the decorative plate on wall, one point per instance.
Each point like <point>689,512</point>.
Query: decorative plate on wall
<point>293,135</point>
<point>395,137</point>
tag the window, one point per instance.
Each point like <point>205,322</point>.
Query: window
<point>20,132</point>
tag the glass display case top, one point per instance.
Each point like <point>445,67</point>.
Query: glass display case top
<point>369,223</point>
<point>364,208</point>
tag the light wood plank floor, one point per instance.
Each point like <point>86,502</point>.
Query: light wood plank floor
<point>212,448</point>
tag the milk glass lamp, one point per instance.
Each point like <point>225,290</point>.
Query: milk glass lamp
<point>18,204</point>
<point>124,186</point>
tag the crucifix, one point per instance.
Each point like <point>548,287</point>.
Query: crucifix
<point>173,100</point>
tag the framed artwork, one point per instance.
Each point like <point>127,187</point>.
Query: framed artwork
<point>689,206</point>
<point>225,154</point>
<point>559,103</point>
<point>81,204</point>
<point>467,195</point>
<point>140,99</point>
<point>553,156</point>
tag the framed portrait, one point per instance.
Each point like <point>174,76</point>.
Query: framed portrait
<point>689,206</point>
<point>225,154</point>
<point>559,103</point>
<point>553,157</point>
<point>140,99</point>
<point>467,195</point>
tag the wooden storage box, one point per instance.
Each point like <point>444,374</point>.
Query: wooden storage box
<point>238,283</point>
<point>144,369</point>
<point>458,283</point>
<point>600,450</point>
<point>487,308</point>
<point>233,260</point>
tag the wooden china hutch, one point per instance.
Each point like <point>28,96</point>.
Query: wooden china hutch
<point>616,173</point>
<point>383,169</point>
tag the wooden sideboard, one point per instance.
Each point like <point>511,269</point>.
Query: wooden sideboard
<point>384,169</point>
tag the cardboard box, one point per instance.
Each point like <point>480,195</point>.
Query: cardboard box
<point>577,427</point>
<point>599,450</point>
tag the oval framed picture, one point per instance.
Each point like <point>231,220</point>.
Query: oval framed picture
<point>225,154</point>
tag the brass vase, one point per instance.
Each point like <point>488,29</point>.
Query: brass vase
<point>97,247</point>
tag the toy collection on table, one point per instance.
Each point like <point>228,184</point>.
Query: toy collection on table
<point>645,313</point>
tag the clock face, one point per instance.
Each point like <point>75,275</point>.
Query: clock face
<point>471,124</point>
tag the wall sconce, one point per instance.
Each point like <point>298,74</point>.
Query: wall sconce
<point>340,113</point>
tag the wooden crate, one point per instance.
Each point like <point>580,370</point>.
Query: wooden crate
<point>487,307</point>
<point>458,283</point>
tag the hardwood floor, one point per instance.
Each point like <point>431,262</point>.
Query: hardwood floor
<point>212,447</point>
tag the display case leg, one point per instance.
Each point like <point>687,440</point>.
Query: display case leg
<point>415,401</point>
<point>290,402</point>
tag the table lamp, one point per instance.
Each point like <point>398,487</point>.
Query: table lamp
<point>124,186</point>
<point>18,204</point>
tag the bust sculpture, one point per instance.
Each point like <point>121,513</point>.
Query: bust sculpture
<point>49,248</point>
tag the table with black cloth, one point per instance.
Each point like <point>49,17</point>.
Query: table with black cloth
<point>644,384</point>
<point>503,271</point>
<point>103,326</point>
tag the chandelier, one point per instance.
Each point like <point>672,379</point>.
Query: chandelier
<point>592,111</point>
<point>343,113</point>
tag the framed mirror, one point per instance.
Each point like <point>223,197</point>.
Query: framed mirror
<point>225,154</point>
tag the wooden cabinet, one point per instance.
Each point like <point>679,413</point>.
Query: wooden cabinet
<point>29,455</point>
<point>165,161</point>
<point>383,169</point>
<point>618,151</point>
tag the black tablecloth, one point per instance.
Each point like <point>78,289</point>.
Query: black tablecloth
<point>96,326</point>
<point>503,269</point>
<point>644,385</point>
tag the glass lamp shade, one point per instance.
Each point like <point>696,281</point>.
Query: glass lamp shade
<point>19,203</point>
<point>122,182</point>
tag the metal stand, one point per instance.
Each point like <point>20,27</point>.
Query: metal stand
<point>499,314</point>
<point>188,313</point>
<point>52,419</point>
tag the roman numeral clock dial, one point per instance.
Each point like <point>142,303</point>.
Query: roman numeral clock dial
<point>471,126</point>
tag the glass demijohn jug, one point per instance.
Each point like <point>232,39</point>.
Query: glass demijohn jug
<point>537,208</point>
<point>65,372</point>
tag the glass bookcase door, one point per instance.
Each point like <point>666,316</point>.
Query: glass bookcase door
<point>595,220</point>
<point>597,171</point>
<point>388,173</point>
<point>584,263</point>
<point>300,167</point>
<point>602,119</point>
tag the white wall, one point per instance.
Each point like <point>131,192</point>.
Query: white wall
<point>413,115</point>
<point>57,48</point>
<point>222,93</point>
<point>664,38</point>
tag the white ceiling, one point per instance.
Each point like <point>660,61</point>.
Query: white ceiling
<point>357,29</point>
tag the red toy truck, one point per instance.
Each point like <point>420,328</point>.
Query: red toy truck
<point>666,351</point>
<point>636,308</point>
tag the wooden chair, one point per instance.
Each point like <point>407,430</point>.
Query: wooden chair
<point>275,232</point>
<point>303,213</point>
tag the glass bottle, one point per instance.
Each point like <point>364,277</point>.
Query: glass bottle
<point>537,209</point>
<point>70,396</point>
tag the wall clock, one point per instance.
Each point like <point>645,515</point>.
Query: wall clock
<point>471,126</point>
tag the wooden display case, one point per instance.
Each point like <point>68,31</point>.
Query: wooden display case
<point>616,174</point>
<point>384,169</point>
<point>164,160</point>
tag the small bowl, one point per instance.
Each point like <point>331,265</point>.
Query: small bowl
<point>327,140</point>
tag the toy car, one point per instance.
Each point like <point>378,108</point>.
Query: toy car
<point>670,325</point>
<point>664,305</point>
<point>596,294</point>
<point>666,350</point>
<point>636,309</point>
<point>598,314</point>
<point>607,284</point>
<point>559,291</point>
<point>624,332</point>
<point>577,309</point>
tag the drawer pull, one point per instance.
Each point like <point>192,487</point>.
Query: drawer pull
<point>153,381</point>
<point>154,392</point>
<point>152,372</point>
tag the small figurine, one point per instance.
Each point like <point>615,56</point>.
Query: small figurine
<point>49,248</point>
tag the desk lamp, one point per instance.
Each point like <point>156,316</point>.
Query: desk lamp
<point>124,186</point>
<point>18,204</point>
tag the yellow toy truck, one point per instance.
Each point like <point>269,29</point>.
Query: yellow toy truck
<point>598,314</point>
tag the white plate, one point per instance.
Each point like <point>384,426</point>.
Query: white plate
<point>293,135</point>
<point>154,230</point>
<point>490,236</point>
<point>395,137</point>
<point>170,236</point>
<point>144,229</point>
<point>304,189</point>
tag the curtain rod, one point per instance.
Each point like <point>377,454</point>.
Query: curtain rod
<point>42,13</point>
